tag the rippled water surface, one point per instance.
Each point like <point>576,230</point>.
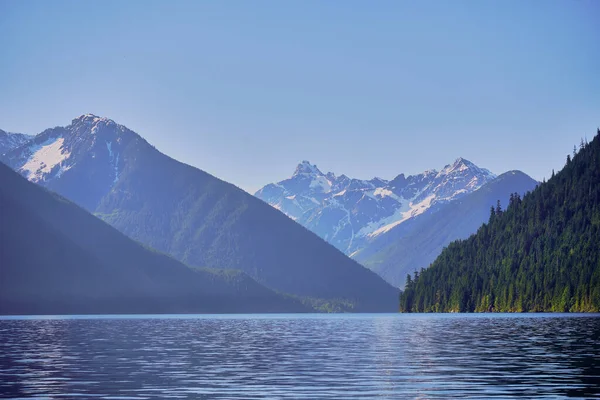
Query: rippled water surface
<point>301,356</point>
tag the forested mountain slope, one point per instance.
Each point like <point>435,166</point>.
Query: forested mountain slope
<point>541,254</point>
<point>56,258</point>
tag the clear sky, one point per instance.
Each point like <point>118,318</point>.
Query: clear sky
<point>247,89</point>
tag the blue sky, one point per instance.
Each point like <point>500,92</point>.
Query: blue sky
<point>246,90</point>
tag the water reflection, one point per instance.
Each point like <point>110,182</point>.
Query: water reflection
<point>356,356</point>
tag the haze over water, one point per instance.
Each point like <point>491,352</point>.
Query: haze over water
<point>301,356</point>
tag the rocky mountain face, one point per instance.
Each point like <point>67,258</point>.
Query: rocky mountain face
<point>351,213</point>
<point>9,141</point>
<point>200,220</point>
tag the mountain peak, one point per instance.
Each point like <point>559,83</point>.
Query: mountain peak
<point>91,120</point>
<point>462,161</point>
<point>462,166</point>
<point>305,167</point>
<point>459,165</point>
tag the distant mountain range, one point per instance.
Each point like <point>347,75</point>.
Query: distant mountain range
<point>379,222</point>
<point>348,213</point>
<point>200,220</point>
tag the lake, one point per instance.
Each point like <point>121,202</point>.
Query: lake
<point>313,356</point>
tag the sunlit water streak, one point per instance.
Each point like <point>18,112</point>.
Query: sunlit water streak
<point>300,356</point>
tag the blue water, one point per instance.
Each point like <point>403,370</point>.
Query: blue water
<point>300,356</point>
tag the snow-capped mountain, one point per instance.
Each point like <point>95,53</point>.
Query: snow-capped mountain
<point>349,213</point>
<point>309,188</point>
<point>9,141</point>
<point>191,215</point>
<point>92,142</point>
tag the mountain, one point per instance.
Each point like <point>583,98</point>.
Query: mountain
<point>57,258</point>
<point>9,141</point>
<point>351,213</point>
<point>541,254</point>
<point>185,212</point>
<point>416,243</point>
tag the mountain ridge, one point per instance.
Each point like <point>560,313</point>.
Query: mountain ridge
<point>349,213</point>
<point>197,218</point>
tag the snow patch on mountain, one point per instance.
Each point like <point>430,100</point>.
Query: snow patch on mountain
<point>382,192</point>
<point>116,169</point>
<point>321,182</point>
<point>44,157</point>
<point>413,210</point>
<point>109,147</point>
<point>114,160</point>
